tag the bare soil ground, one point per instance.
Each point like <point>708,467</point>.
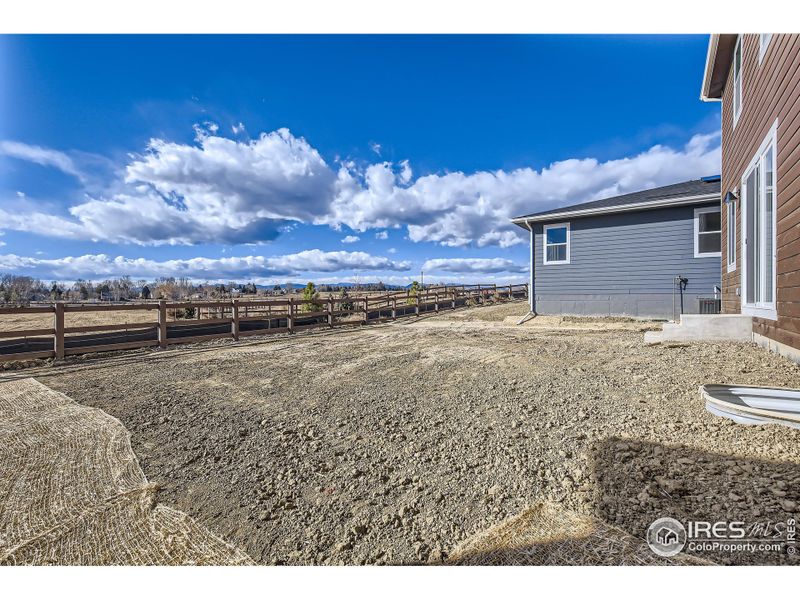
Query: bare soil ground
<point>396,443</point>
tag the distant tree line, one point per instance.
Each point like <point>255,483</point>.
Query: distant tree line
<point>22,290</point>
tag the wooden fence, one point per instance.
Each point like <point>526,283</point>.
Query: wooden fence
<point>233,319</point>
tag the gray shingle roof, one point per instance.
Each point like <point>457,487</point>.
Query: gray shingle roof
<point>676,191</point>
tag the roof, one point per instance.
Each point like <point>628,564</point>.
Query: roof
<point>718,65</point>
<point>695,191</point>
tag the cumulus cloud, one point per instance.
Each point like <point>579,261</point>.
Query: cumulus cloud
<point>375,147</point>
<point>350,239</point>
<point>220,190</point>
<point>41,156</point>
<point>237,129</point>
<point>382,235</point>
<point>473,265</point>
<point>92,266</point>
<point>459,209</point>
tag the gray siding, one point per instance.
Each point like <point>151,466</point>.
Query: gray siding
<point>625,264</point>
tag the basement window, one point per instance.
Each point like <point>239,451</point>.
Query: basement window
<point>707,232</point>
<point>556,244</point>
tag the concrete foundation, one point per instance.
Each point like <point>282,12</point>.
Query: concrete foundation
<point>643,305</point>
<point>777,347</point>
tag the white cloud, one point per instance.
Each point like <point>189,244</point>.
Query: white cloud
<point>221,190</point>
<point>382,235</point>
<point>93,266</point>
<point>237,129</point>
<point>392,251</point>
<point>473,265</point>
<point>41,156</point>
<point>458,209</point>
<point>350,239</point>
<point>375,147</point>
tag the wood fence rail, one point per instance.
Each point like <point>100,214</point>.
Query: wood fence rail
<point>189,322</point>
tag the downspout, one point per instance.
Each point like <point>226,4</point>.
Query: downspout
<point>532,281</point>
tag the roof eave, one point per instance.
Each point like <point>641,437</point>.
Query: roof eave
<point>718,63</point>
<point>638,206</point>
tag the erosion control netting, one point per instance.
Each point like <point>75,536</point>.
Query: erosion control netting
<point>72,491</point>
<point>551,535</point>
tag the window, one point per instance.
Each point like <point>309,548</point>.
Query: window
<point>707,232</point>
<point>731,235</point>
<point>763,43</point>
<point>737,80</point>
<point>556,244</point>
<point>758,231</point>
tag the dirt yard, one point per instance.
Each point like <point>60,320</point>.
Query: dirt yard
<point>395,443</point>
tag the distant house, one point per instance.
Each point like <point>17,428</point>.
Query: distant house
<point>638,255</point>
<point>757,78</point>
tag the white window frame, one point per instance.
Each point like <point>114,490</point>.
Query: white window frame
<point>730,235</point>
<point>763,43</point>
<point>544,244</point>
<point>697,213</point>
<point>765,310</point>
<point>737,80</point>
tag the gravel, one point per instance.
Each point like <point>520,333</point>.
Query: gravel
<point>393,444</point>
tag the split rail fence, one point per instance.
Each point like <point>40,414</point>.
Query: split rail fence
<point>231,319</point>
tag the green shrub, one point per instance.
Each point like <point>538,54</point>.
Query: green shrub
<point>310,298</point>
<point>415,289</point>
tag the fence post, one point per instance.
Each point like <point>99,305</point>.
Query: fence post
<point>454,293</point>
<point>366,310</point>
<point>290,315</point>
<point>58,330</point>
<point>235,320</point>
<point>417,307</point>
<point>330,312</point>
<point>436,301</point>
<point>162,323</point>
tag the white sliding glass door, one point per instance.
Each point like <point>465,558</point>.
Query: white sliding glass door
<point>758,232</point>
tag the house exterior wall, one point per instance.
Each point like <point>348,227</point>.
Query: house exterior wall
<point>624,264</point>
<point>770,91</point>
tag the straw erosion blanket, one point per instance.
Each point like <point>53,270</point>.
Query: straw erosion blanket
<point>73,492</point>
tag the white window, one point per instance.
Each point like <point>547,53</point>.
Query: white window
<point>759,230</point>
<point>731,235</point>
<point>707,232</point>
<point>763,43</point>
<point>737,80</point>
<point>556,244</point>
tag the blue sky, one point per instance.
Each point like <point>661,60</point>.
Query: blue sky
<point>275,158</point>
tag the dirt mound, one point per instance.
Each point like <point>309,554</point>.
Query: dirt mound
<point>73,492</point>
<point>550,535</point>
